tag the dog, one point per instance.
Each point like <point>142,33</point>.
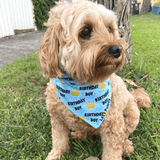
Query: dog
<point>81,51</point>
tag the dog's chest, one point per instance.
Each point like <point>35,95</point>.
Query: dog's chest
<point>74,122</point>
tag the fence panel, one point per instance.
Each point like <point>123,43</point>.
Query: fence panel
<point>15,15</point>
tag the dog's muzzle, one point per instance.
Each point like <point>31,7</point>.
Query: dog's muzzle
<point>115,51</point>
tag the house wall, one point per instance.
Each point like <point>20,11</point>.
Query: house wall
<point>15,15</point>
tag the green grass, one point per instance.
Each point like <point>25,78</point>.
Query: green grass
<point>145,33</point>
<point>25,129</point>
<point>23,114</point>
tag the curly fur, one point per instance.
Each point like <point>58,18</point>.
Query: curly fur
<point>88,61</point>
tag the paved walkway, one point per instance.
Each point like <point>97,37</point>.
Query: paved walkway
<point>19,46</point>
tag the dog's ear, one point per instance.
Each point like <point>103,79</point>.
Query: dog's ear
<point>48,55</point>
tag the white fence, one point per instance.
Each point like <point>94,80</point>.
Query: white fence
<point>15,15</point>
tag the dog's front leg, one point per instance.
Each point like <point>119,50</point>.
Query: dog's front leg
<point>112,135</point>
<point>60,139</point>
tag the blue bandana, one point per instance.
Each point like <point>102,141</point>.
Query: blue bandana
<point>89,102</point>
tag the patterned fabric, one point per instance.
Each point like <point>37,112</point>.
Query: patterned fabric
<point>89,102</point>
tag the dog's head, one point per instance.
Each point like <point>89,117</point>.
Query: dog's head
<point>82,39</point>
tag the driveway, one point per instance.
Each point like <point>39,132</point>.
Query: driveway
<point>19,46</point>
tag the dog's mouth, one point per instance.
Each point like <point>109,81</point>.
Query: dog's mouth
<point>100,65</point>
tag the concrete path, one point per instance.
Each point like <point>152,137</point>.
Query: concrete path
<point>19,46</point>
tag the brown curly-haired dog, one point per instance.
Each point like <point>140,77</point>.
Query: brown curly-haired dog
<point>82,40</point>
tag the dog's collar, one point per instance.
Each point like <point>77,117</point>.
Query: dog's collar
<point>89,102</point>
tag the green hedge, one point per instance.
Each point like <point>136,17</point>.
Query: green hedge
<point>41,9</point>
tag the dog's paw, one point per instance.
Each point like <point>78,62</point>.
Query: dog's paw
<point>127,148</point>
<point>56,154</point>
<point>92,158</point>
<point>53,156</point>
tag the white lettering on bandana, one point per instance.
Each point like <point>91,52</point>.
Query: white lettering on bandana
<point>89,102</point>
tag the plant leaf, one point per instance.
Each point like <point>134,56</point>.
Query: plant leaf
<point>136,53</point>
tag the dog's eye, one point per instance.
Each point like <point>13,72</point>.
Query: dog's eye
<point>86,33</point>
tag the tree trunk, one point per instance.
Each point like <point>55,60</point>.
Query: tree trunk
<point>145,6</point>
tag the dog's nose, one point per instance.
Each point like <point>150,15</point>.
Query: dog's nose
<point>115,50</point>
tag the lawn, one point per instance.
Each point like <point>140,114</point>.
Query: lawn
<point>25,124</point>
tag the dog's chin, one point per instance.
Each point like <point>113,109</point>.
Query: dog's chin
<point>98,73</point>
<point>101,73</point>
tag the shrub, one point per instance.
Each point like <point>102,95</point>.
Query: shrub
<point>41,9</point>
